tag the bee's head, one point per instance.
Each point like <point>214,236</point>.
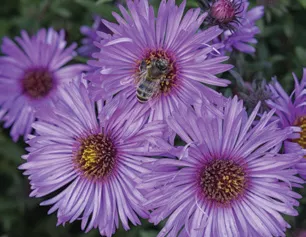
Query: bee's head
<point>162,64</point>
<point>159,67</point>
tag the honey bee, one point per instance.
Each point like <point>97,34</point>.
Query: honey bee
<point>151,75</point>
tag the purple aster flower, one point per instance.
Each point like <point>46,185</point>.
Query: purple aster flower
<point>231,179</point>
<point>159,62</point>
<point>91,36</point>
<point>291,111</point>
<point>31,72</point>
<point>92,164</point>
<point>224,13</point>
<point>245,30</point>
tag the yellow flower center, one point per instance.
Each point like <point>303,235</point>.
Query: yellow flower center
<point>96,156</point>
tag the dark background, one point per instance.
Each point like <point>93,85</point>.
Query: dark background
<point>281,50</point>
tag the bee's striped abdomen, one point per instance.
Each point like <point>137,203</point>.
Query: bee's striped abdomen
<point>144,91</point>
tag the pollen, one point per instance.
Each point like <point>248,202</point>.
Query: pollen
<point>96,156</point>
<point>37,83</point>
<point>222,181</point>
<point>301,122</point>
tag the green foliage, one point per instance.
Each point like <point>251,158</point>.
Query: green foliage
<point>281,50</point>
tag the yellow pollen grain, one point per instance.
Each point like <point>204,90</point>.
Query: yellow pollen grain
<point>225,177</point>
<point>89,156</point>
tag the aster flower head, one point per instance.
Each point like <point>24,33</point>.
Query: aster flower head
<point>90,33</point>
<point>291,111</point>
<point>224,13</point>
<point>158,61</point>
<point>92,164</point>
<point>243,35</point>
<point>231,179</point>
<point>31,72</point>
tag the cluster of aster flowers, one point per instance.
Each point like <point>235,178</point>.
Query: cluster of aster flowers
<point>103,138</point>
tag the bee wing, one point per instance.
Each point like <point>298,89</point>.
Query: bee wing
<point>141,77</point>
<point>156,89</point>
<point>156,93</point>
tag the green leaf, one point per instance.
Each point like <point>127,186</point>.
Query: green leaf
<point>303,3</point>
<point>300,53</point>
<point>148,233</point>
<point>102,2</point>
